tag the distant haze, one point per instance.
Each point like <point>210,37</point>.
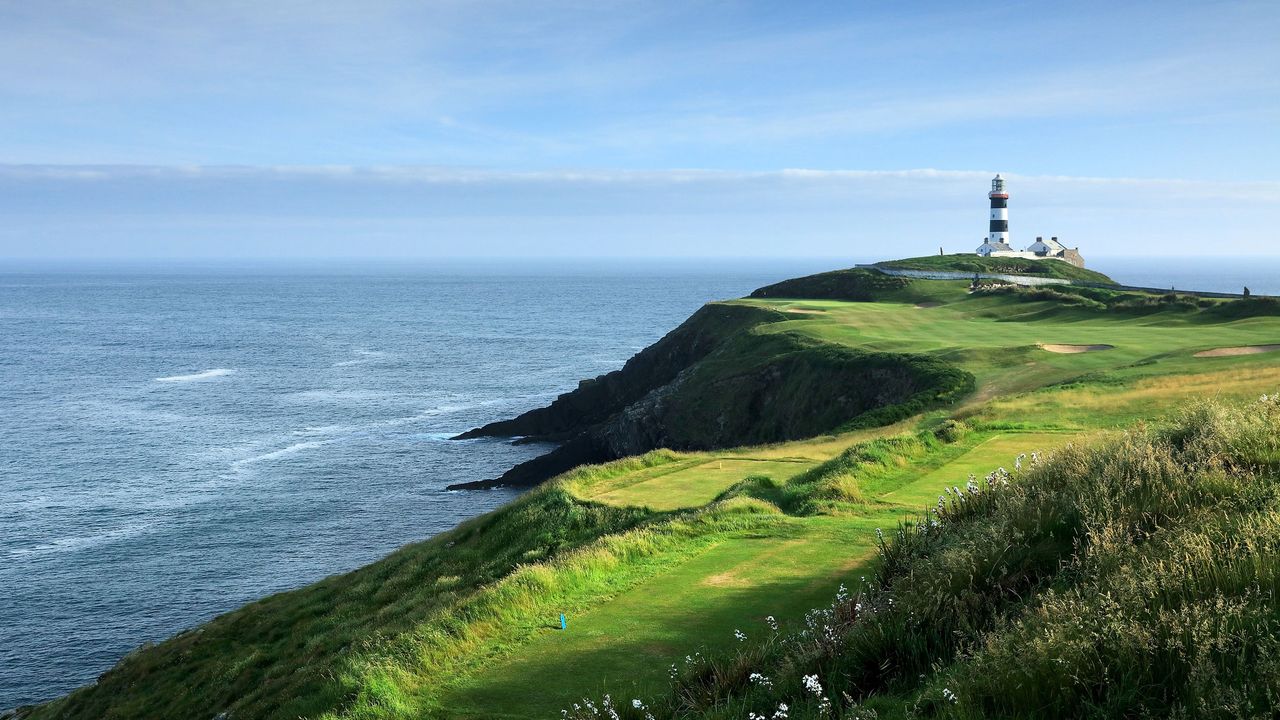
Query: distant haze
<point>621,129</point>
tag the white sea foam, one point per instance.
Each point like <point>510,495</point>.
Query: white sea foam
<point>439,436</point>
<point>80,542</point>
<point>366,356</point>
<point>337,396</point>
<point>322,430</point>
<point>206,375</point>
<point>275,454</point>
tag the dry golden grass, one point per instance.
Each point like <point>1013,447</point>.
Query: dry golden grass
<point>1146,398</point>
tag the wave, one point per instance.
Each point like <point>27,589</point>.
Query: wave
<point>207,374</point>
<point>338,396</point>
<point>274,454</point>
<point>366,357</point>
<point>81,542</point>
<point>313,430</point>
<point>438,436</point>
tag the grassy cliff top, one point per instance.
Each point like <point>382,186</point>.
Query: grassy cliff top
<point>1008,266</point>
<point>664,556</point>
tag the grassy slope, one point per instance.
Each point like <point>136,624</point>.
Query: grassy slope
<point>647,566</point>
<point>1009,266</point>
<point>1133,577</point>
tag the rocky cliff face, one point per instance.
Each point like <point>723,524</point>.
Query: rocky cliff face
<point>724,379</point>
<point>600,398</point>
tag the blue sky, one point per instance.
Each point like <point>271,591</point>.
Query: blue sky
<point>132,129</point>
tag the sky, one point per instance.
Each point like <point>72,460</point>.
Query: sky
<point>481,128</point>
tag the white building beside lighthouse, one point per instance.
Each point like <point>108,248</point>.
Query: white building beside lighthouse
<point>997,244</point>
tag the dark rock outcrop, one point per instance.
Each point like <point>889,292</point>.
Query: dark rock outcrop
<point>600,398</point>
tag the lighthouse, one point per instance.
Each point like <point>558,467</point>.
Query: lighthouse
<point>999,228</point>
<point>996,244</point>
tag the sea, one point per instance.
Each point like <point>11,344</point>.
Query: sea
<point>177,439</point>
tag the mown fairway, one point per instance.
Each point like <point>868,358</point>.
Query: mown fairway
<point>999,340</point>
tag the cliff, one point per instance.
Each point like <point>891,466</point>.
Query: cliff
<point>724,378</point>
<point>600,398</point>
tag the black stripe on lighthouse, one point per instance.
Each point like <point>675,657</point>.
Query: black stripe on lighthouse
<point>999,226</point>
<point>999,203</point>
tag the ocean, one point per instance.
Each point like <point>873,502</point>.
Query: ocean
<point>177,440</point>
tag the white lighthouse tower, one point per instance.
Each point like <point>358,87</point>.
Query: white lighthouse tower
<point>999,230</point>
<point>997,242</point>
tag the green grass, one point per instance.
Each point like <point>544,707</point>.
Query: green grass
<point>999,450</point>
<point>665,554</point>
<point>693,485</point>
<point>997,338</point>
<point>627,643</point>
<point>1133,577</point>
<point>1006,266</point>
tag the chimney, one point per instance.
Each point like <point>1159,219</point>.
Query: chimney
<point>1055,238</point>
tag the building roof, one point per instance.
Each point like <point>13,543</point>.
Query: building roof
<point>1048,247</point>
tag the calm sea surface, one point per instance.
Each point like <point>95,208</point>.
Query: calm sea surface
<point>176,441</point>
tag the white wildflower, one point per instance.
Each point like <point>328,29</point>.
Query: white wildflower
<point>608,706</point>
<point>740,635</point>
<point>812,685</point>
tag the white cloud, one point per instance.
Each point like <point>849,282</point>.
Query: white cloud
<point>304,211</point>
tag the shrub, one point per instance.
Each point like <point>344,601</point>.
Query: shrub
<point>951,431</point>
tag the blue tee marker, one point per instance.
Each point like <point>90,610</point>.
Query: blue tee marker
<point>563,624</point>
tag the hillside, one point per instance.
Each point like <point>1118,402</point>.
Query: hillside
<point>1137,577</point>
<point>664,555</point>
<point>1008,266</point>
<point>716,382</point>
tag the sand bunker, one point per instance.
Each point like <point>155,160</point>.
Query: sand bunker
<point>1075,348</point>
<point>806,311</point>
<point>1245,350</point>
